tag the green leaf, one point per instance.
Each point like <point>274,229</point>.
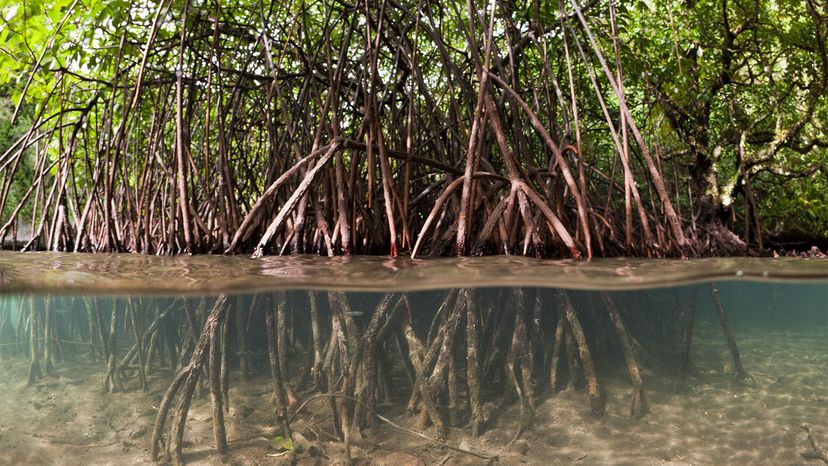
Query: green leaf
<point>281,443</point>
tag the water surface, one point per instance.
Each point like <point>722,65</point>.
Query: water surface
<point>134,273</point>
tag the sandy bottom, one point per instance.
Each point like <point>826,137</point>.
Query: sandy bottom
<point>707,419</point>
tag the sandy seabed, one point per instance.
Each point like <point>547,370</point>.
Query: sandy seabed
<point>706,419</point>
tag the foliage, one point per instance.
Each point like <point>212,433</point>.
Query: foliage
<point>8,134</point>
<point>281,443</point>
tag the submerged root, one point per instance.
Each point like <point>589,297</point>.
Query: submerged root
<point>473,364</point>
<point>451,355</point>
<point>596,399</point>
<point>557,347</point>
<point>816,452</point>
<point>185,382</point>
<point>638,407</point>
<point>742,376</point>
<point>279,391</point>
<point>688,318</point>
<point>365,360</point>
<point>35,374</point>
<point>518,355</point>
<point>429,410</point>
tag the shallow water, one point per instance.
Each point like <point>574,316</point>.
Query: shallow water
<point>534,377</point>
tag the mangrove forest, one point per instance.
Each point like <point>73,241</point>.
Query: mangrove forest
<point>304,185</point>
<point>423,127</point>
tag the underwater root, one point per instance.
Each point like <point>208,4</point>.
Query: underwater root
<point>461,358</point>
<point>185,383</point>
<point>446,355</point>
<point>638,407</point>
<point>742,375</point>
<point>816,453</point>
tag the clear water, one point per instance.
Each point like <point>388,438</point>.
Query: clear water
<point>368,329</point>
